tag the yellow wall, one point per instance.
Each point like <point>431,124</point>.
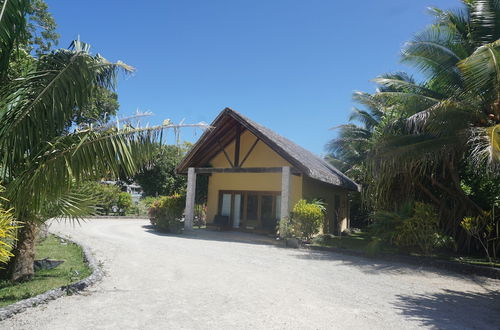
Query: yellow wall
<point>261,156</point>
<point>314,189</point>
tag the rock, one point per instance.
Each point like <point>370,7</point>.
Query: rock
<point>46,264</point>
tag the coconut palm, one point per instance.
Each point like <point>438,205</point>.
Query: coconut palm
<point>349,149</point>
<point>43,154</point>
<point>450,119</point>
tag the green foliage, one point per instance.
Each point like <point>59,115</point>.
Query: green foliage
<point>435,141</point>
<point>166,213</point>
<point>108,196</point>
<point>200,215</point>
<point>285,229</point>
<point>102,106</point>
<point>41,33</point>
<point>485,229</point>
<point>414,227</point>
<point>8,228</point>
<point>124,202</point>
<point>158,177</point>
<point>307,218</point>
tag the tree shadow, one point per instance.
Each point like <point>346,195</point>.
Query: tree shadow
<point>453,309</point>
<point>375,265</point>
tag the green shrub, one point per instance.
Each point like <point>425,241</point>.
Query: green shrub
<point>124,202</point>
<point>414,227</point>
<point>306,218</point>
<point>285,228</point>
<point>484,228</point>
<point>109,198</point>
<point>166,212</point>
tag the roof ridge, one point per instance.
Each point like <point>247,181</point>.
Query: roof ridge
<point>308,162</point>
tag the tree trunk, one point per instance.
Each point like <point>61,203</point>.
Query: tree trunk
<point>21,264</point>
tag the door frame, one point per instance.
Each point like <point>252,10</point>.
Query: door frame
<point>244,198</point>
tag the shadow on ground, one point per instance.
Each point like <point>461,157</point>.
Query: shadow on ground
<point>452,309</point>
<point>374,265</point>
<point>368,265</point>
<point>219,236</point>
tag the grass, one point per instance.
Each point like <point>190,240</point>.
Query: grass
<point>73,269</point>
<point>362,242</point>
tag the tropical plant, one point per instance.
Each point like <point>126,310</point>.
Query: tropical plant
<point>8,227</point>
<point>484,228</point>
<point>166,213</point>
<point>159,177</point>
<point>43,154</point>
<point>413,227</point>
<point>307,217</point>
<point>444,124</point>
<point>108,198</point>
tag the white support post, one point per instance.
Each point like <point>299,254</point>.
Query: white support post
<point>190,198</point>
<point>285,192</point>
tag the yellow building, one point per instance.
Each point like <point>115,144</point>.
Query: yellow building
<point>256,176</point>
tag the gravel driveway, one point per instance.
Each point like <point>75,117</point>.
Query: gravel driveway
<point>209,280</point>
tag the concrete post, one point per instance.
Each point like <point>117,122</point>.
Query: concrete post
<point>285,192</point>
<point>190,198</point>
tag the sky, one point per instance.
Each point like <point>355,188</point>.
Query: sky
<point>290,65</point>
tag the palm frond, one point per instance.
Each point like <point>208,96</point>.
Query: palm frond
<point>73,205</point>
<point>485,23</point>
<point>369,120</point>
<point>481,70</point>
<point>64,80</point>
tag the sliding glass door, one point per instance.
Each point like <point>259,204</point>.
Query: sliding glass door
<point>251,209</point>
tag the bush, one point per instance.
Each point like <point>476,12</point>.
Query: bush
<point>124,202</point>
<point>414,227</point>
<point>166,212</point>
<point>285,228</point>
<point>484,228</point>
<point>306,218</point>
<point>109,198</point>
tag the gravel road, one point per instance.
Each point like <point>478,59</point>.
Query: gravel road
<point>212,280</point>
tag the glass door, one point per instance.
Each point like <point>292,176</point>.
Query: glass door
<point>266,212</point>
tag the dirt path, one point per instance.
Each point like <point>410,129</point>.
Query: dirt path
<point>211,280</point>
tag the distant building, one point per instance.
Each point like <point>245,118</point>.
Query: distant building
<point>133,189</point>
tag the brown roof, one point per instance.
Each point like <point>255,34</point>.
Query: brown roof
<point>223,133</point>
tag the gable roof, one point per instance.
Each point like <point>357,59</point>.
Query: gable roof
<point>223,133</point>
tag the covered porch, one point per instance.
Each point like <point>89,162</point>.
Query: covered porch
<point>245,209</point>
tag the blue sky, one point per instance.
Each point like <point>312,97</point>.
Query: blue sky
<point>290,65</point>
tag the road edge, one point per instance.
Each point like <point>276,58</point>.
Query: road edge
<point>97,275</point>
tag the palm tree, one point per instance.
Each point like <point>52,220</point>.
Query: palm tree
<point>43,154</point>
<point>349,149</point>
<point>450,119</point>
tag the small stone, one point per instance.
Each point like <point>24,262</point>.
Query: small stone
<point>46,264</point>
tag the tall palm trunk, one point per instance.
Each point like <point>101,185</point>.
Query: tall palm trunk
<point>21,265</point>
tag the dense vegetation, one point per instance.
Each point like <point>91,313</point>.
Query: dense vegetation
<point>159,177</point>
<point>433,143</point>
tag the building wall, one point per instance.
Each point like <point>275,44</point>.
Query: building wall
<point>314,189</point>
<point>261,156</point>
